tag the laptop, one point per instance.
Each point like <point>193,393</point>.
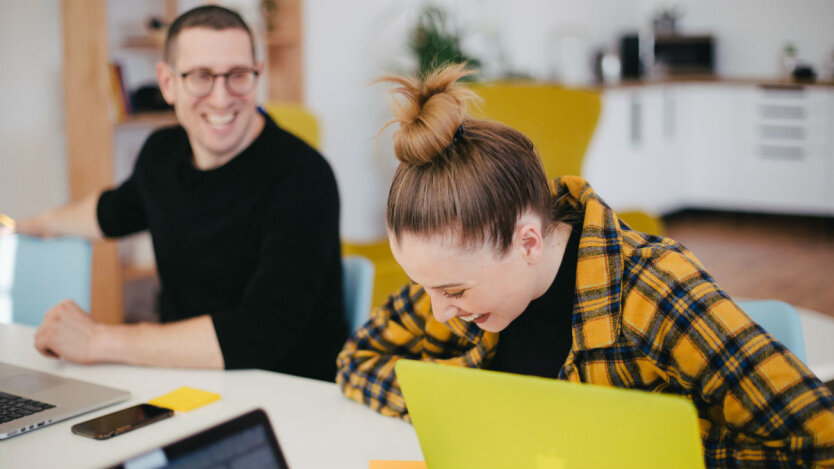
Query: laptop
<point>244,442</point>
<point>471,418</point>
<point>31,399</point>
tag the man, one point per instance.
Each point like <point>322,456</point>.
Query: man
<point>244,220</point>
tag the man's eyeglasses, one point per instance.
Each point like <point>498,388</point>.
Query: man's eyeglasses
<point>199,83</point>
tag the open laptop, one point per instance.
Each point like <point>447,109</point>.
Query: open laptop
<point>31,399</point>
<point>469,418</point>
<point>244,442</point>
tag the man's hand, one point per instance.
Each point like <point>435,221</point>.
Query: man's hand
<point>68,332</point>
<point>7,225</point>
<point>77,218</point>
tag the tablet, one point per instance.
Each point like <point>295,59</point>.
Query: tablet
<point>246,441</point>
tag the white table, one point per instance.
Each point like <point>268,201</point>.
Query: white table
<point>316,426</point>
<point>818,330</point>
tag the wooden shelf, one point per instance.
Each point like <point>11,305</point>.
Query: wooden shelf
<point>155,118</point>
<point>284,54</point>
<point>282,39</point>
<point>131,273</point>
<point>148,41</point>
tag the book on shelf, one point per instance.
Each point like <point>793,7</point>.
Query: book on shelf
<point>120,106</point>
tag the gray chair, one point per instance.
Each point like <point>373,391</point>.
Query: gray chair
<point>36,274</point>
<point>780,320</point>
<point>357,285</point>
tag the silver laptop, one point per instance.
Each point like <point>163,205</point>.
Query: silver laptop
<point>31,399</point>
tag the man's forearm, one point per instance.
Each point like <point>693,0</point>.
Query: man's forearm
<point>74,219</point>
<point>191,343</point>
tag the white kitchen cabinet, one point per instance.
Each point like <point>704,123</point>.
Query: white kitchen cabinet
<point>707,144</point>
<point>784,149</point>
<point>664,147</point>
<point>632,154</point>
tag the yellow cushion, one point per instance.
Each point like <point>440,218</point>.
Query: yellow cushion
<point>388,275</point>
<point>560,121</point>
<point>643,222</point>
<point>296,120</point>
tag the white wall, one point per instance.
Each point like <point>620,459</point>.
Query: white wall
<point>32,163</point>
<point>750,34</point>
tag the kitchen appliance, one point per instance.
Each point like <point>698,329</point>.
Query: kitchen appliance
<point>685,55</point>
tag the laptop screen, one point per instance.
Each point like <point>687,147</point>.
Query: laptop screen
<point>244,442</point>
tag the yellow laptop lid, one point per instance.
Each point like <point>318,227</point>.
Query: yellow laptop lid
<point>469,418</point>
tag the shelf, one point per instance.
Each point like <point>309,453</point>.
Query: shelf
<point>282,38</point>
<point>149,41</point>
<point>131,273</point>
<point>154,118</point>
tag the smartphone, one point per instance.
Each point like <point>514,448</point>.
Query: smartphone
<point>121,421</point>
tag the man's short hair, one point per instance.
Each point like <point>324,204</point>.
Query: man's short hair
<point>208,16</point>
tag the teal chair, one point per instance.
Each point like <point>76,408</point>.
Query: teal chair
<point>36,274</point>
<point>780,320</point>
<point>357,285</point>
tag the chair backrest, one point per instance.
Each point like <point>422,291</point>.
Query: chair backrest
<point>295,119</point>
<point>780,320</point>
<point>357,285</point>
<point>36,274</point>
<point>641,221</point>
<point>560,121</point>
<point>389,277</point>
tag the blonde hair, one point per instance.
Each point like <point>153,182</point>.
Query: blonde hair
<point>474,178</point>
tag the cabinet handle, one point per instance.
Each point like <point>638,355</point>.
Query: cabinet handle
<point>780,152</point>
<point>636,120</point>
<point>782,132</point>
<point>669,113</point>
<point>771,111</point>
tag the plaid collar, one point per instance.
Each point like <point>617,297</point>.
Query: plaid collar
<point>599,271</point>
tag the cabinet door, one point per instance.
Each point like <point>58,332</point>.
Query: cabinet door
<point>707,145</point>
<point>784,149</point>
<point>610,150</point>
<point>661,163</point>
<point>631,161</point>
<point>828,97</point>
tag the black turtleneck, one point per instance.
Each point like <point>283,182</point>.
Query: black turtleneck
<point>539,340</point>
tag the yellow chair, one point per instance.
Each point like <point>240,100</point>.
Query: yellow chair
<point>642,221</point>
<point>388,275</point>
<point>295,119</point>
<point>560,122</point>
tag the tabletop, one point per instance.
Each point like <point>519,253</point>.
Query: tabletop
<point>316,426</point>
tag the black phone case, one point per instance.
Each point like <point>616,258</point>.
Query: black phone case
<point>77,428</point>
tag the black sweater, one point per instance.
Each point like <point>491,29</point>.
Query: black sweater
<point>254,243</point>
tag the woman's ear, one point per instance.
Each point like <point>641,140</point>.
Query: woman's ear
<point>529,240</point>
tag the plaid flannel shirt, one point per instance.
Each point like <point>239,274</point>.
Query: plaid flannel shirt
<point>646,316</point>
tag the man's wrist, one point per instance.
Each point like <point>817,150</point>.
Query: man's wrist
<point>107,343</point>
<point>29,226</point>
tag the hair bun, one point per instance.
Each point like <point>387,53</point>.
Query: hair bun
<point>429,112</point>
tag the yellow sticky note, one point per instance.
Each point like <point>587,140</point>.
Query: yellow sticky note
<point>379,464</point>
<point>185,399</point>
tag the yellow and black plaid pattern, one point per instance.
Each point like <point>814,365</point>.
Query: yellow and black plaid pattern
<point>646,316</point>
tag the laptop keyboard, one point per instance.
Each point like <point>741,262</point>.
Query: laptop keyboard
<point>14,407</point>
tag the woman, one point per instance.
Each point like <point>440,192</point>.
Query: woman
<point>512,274</point>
